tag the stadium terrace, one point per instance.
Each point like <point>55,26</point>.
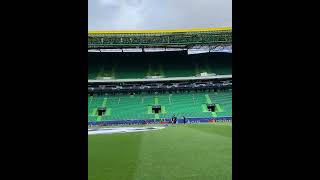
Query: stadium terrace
<point>124,85</point>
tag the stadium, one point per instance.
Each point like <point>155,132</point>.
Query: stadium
<point>138,81</point>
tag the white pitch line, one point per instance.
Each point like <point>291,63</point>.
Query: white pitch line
<point>121,130</point>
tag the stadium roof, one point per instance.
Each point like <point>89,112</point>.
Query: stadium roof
<point>174,38</point>
<point>194,30</point>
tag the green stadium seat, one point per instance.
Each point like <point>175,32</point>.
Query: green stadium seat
<point>135,66</point>
<point>124,107</point>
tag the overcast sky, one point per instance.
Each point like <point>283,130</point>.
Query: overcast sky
<point>158,14</point>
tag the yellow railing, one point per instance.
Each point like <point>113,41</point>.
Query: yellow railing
<point>159,31</point>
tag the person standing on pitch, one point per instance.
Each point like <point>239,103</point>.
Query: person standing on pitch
<point>184,120</point>
<point>172,119</point>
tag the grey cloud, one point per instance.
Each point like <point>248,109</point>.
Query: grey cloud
<point>158,14</point>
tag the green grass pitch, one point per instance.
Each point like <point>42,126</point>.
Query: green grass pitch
<point>192,152</point>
